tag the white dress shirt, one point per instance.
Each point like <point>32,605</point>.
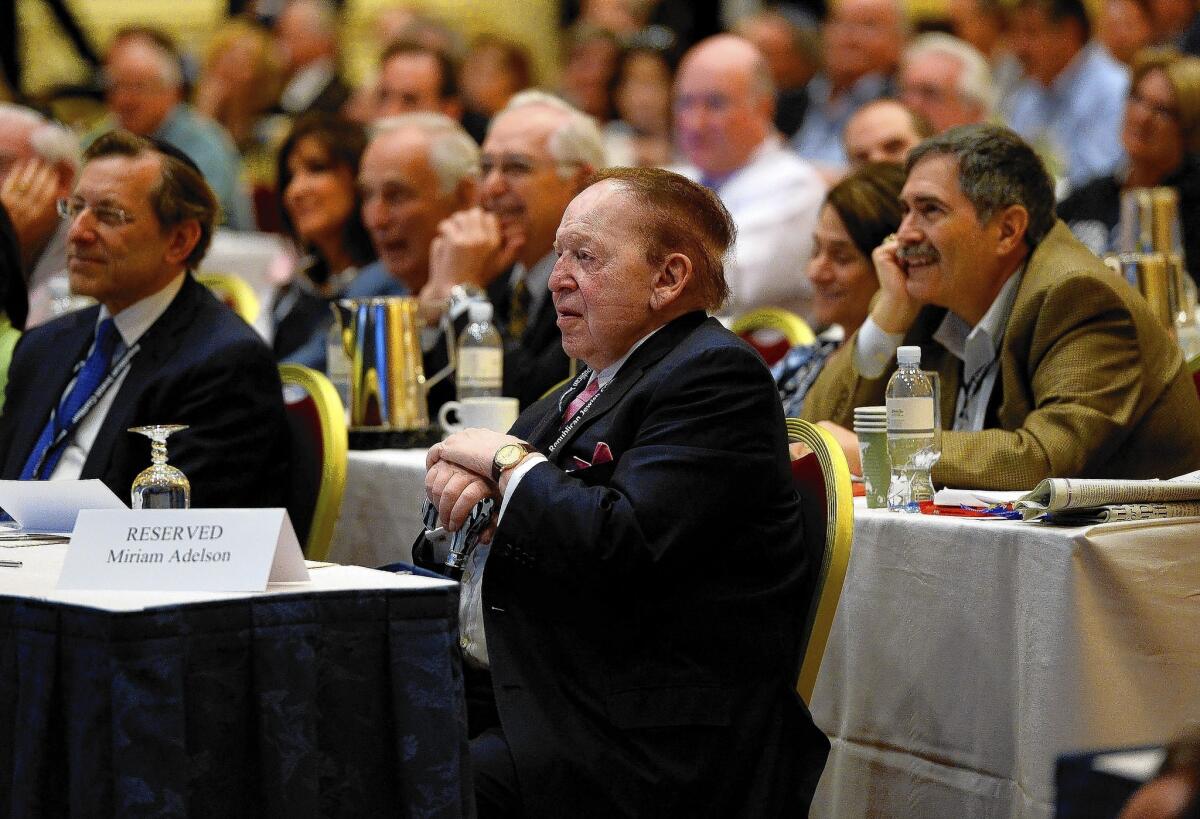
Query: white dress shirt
<point>131,324</point>
<point>774,200</point>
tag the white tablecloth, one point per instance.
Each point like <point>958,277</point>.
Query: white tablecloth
<point>966,655</point>
<point>381,509</point>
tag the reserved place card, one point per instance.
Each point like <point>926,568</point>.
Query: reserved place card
<point>182,550</point>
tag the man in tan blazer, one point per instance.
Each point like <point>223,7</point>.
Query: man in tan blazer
<point>1051,366</point>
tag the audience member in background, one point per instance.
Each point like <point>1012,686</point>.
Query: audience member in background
<point>13,304</point>
<point>317,171</point>
<point>417,170</point>
<point>641,93</point>
<point>141,218</point>
<point>587,74</point>
<point>883,131</point>
<point>1174,792</point>
<point>984,25</point>
<point>1050,365</point>
<point>412,78</point>
<point>1069,104</point>
<point>492,72</point>
<point>858,214</point>
<point>240,81</point>
<point>538,154</point>
<point>145,95</point>
<point>862,46</point>
<point>724,102</point>
<point>39,160</point>
<point>789,43</point>
<point>1173,21</point>
<point>946,81</point>
<point>1125,28</point>
<point>307,34</point>
<point>1161,137</point>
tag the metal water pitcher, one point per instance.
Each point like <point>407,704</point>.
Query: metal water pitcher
<point>388,386</point>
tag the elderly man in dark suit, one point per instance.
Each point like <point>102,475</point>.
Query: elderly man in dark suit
<point>158,349</point>
<point>639,608</point>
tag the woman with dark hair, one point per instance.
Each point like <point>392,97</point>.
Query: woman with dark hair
<point>321,210</point>
<point>858,214</point>
<point>1161,137</point>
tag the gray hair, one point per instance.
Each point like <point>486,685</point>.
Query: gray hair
<point>49,140</point>
<point>576,142</point>
<point>453,155</point>
<point>996,169</point>
<point>975,82</point>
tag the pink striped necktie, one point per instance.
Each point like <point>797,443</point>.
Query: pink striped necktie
<point>591,389</point>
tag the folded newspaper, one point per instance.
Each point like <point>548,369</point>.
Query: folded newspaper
<point>1080,501</point>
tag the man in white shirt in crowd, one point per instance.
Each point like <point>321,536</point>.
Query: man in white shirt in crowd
<point>724,104</point>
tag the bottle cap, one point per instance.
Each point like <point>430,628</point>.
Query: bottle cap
<point>908,355</point>
<point>482,311</point>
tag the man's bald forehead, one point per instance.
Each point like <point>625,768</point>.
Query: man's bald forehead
<point>730,55</point>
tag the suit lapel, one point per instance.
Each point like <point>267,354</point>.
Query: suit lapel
<point>156,345</point>
<point>630,373</point>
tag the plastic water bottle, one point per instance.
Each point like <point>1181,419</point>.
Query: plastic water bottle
<point>911,436</point>
<point>480,355</point>
<point>337,364</point>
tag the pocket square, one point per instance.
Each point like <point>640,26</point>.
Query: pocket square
<point>602,454</point>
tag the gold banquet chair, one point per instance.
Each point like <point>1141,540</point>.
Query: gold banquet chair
<point>828,499</point>
<point>233,292</point>
<point>317,427</point>
<point>772,331</point>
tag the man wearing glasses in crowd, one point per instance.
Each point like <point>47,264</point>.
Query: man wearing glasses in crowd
<point>538,154</point>
<point>158,349</point>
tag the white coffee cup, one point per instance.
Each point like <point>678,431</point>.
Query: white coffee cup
<point>496,414</point>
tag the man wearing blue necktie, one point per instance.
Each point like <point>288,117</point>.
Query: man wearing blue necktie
<point>157,349</point>
<point>636,620</point>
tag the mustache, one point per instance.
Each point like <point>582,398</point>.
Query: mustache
<point>922,251</point>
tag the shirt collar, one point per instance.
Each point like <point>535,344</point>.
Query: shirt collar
<point>606,375</point>
<point>961,339</point>
<point>137,318</point>
<point>1063,84</point>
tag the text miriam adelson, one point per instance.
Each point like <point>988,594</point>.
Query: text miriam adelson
<point>160,534</point>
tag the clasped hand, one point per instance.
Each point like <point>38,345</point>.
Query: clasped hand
<point>459,474</point>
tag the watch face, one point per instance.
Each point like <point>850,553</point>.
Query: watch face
<point>509,454</point>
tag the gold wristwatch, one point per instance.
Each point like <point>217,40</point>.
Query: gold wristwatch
<point>507,457</point>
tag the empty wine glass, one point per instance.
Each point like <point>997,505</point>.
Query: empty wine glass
<point>160,486</point>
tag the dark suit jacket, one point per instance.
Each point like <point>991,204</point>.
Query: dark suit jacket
<point>536,362</point>
<point>199,365</point>
<point>644,616</point>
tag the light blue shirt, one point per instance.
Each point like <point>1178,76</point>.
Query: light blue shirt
<point>819,139</point>
<point>213,151</point>
<point>1075,123</point>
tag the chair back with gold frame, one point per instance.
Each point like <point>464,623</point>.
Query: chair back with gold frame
<point>824,476</point>
<point>1193,366</point>
<point>772,331</point>
<point>317,423</point>
<point>233,292</point>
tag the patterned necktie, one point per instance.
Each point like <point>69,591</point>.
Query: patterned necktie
<point>591,389</point>
<point>90,375</point>
<point>518,311</point>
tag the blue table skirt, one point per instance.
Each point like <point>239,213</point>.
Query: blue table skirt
<point>329,704</point>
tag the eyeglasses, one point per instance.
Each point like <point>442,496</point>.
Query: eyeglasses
<point>514,166</point>
<point>110,217</point>
<point>1163,113</point>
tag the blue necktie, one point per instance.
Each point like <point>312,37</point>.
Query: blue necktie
<point>90,376</point>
